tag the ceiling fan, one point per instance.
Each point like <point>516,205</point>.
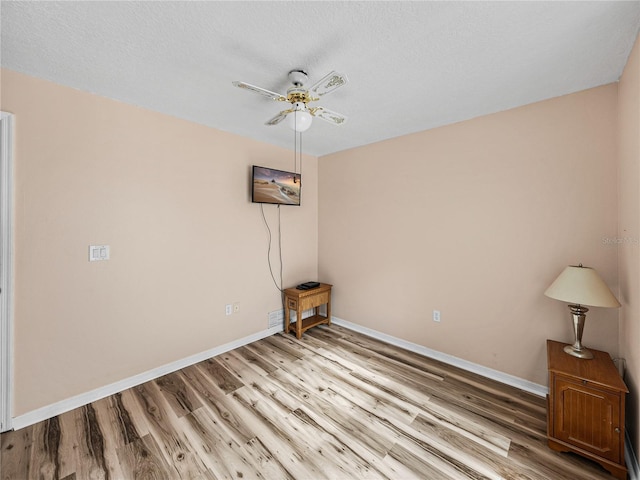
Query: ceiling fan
<point>299,96</point>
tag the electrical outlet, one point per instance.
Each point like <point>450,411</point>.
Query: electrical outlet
<point>236,307</point>
<point>228,309</point>
<point>436,315</point>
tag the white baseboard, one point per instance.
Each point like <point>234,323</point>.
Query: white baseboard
<point>501,377</point>
<point>63,406</point>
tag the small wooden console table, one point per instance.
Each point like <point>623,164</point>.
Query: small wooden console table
<point>301,300</point>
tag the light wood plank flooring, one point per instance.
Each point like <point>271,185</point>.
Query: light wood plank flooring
<point>335,404</point>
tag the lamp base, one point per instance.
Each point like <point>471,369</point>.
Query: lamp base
<point>578,312</point>
<point>582,353</point>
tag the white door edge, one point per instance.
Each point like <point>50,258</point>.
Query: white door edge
<point>6,270</point>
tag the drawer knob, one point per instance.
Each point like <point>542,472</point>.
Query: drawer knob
<point>584,382</point>
<point>617,430</point>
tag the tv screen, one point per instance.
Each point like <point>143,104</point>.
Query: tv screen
<point>275,186</point>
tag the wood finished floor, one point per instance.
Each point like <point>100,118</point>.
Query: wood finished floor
<point>335,404</point>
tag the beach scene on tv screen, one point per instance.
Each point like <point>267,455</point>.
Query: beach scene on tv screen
<point>274,186</point>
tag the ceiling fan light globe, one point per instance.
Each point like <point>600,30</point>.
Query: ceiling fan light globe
<point>300,120</point>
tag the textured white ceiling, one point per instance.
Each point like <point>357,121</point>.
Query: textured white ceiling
<point>411,65</point>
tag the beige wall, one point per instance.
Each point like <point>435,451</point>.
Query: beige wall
<point>476,219</point>
<point>172,200</point>
<point>629,234</point>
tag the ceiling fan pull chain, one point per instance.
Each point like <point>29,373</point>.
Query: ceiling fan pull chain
<point>295,145</point>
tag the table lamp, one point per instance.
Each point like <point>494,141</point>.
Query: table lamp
<point>581,286</point>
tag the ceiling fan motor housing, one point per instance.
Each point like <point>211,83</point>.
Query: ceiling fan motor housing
<point>296,95</point>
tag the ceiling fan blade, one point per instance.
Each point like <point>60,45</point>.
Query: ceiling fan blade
<point>328,84</point>
<point>328,115</point>
<point>278,118</point>
<point>261,91</point>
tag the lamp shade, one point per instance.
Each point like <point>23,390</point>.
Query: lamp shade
<point>583,286</point>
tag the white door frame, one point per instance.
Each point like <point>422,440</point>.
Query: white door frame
<point>6,270</point>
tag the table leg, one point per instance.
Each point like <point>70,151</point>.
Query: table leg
<point>287,317</point>
<point>299,321</point>
<point>329,310</point>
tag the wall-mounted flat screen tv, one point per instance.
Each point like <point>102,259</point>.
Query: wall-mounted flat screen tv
<point>275,186</point>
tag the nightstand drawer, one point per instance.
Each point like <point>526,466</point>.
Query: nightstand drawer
<point>314,301</point>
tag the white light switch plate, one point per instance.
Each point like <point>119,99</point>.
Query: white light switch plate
<point>98,253</point>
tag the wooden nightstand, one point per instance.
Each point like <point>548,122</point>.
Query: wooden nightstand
<point>585,408</point>
<point>301,300</point>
